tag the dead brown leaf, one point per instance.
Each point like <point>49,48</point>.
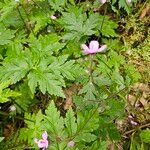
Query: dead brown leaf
<point>69,93</point>
<point>141,87</point>
<point>145,11</point>
<point>131,99</point>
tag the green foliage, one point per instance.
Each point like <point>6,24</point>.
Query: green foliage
<point>78,25</point>
<point>14,69</point>
<point>57,4</point>
<point>70,122</point>
<point>25,100</point>
<point>140,140</point>
<point>145,136</point>
<point>7,8</point>
<point>89,91</point>
<point>34,128</point>
<point>5,35</point>
<point>41,60</point>
<point>6,93</point>
<point>46,73</point>
<point>107,27</point>
<point>123,4</point>
<point>62,130</point>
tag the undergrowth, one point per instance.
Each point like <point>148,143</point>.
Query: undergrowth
<point>59,89</point>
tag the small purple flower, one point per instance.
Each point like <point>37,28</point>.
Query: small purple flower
<point>71,144</point>
<point>42,143</point>
<point>133,123</point>
<point>93,48</point>
<point>102,1</point>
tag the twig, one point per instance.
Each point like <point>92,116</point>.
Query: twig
<point>139,127</point>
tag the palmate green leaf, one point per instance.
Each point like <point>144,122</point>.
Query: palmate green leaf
<point>5,35</point>
<point>87,121</point>
<point>78,25</point>
<point>46,81</point>
<point>89,91</point>
<point>14,69</point>
<point>70,123</point>
<point>34,128</point>
<point>47,74</point>
<point>53,122</point>
<point>90,24</point>
<point>61,130</point>
<point>50,78</point>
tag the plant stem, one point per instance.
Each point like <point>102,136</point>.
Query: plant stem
<point>6,114</point>
<point>91,68</point>
<point>103,20</point>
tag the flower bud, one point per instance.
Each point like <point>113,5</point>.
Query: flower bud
<point>12,108</point>
<point>71,144</point>
<point>53,17</point>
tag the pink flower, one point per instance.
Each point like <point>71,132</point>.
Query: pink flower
<point>103,1</point>
<point>42,143</point>
<point>93,48</point>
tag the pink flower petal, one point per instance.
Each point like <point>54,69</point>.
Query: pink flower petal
<point>85,49</point>
<point>103,48</point>
<point>93,46</point>
<point>42,143</point>
<point>44,135</point>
